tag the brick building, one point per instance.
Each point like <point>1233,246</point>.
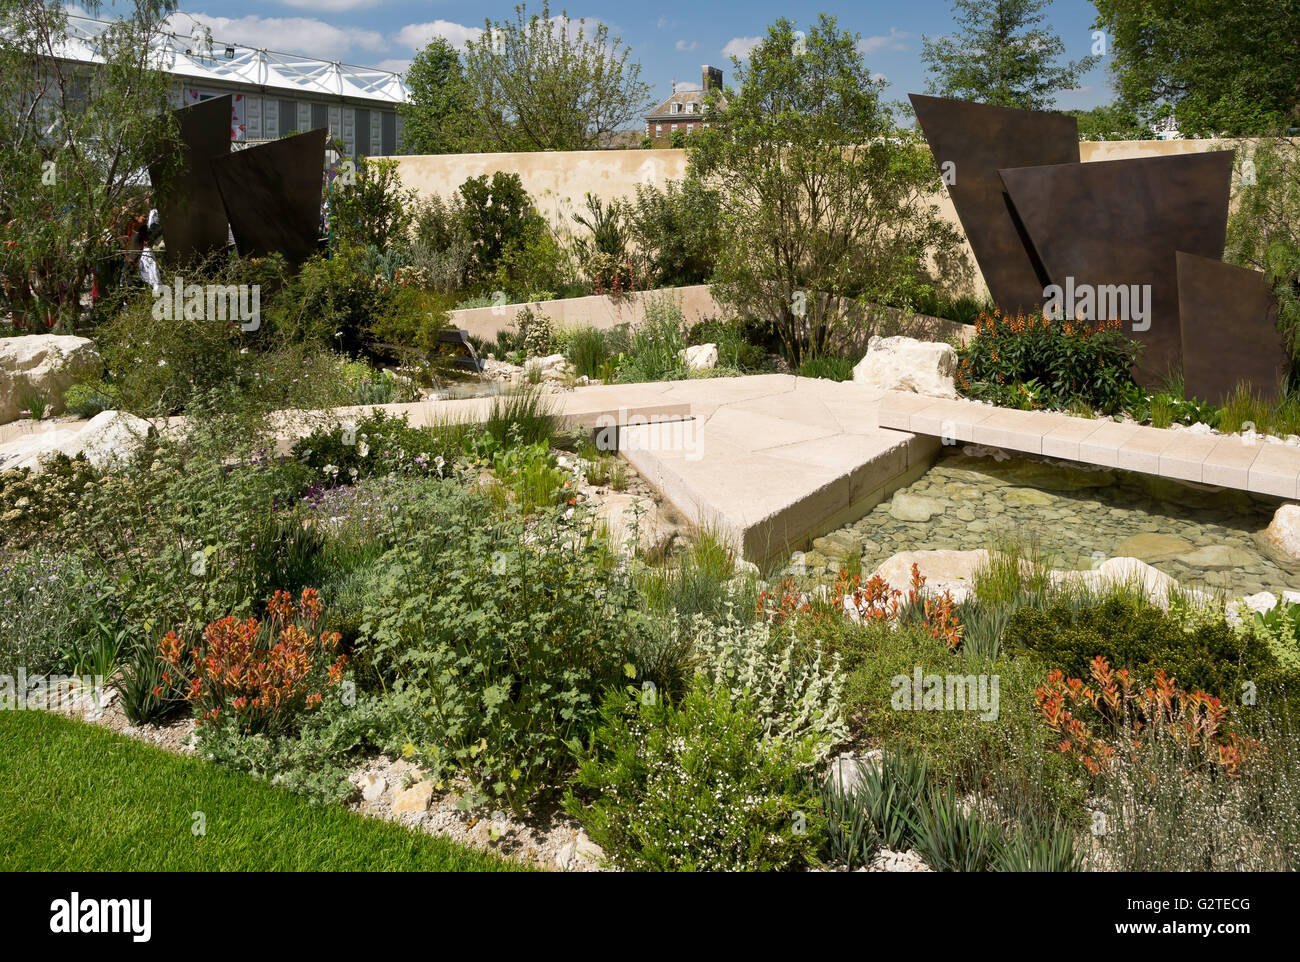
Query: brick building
<point>683,112</point>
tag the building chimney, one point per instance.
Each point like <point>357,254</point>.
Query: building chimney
<point>712,78</point>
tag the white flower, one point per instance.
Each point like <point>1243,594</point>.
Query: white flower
<point>162,362</point>
<point>363,449</point>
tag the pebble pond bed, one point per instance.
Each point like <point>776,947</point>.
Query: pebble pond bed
<point>1076,515</point>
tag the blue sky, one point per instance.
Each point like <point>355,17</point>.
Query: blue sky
<point>670,38</point>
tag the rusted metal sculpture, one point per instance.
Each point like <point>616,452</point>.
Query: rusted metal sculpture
<point>272,193</point>
<point>971,143</point>
<point>1117,224</point>
<point>185,192</point>
<point>1228,318</point>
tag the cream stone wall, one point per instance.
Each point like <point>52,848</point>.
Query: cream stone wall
<point>558,181</point>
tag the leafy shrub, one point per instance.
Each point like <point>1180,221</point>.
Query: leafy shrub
<point>694,787</point>
<point>48,609</point>
<point>262,674</point>
<point>372,208</point>
<point>1208,655</point>
<point>497,216</point>
<point>537,268</point>
<point>331,302</point>
<point>1033,362</point>
<point>316,759</point>
<point>378,444</point>
<point>87,399</point>
<point>496,635</point>
<point>1279,627</point>
<point>796,697</point>
<point>605,254</point>
<point>679,229</point>
<point>157,368</point>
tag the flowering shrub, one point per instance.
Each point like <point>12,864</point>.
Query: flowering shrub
<point>378,445</point>
<point>876,601</point>
<point>696,787</point>
<point>535,332</point>
<point>31,503</point>
<point>497,633</point>
<point>262,673</point>
<point>1034,362</point>
<point>794,695</point>
<point>1117,716</point>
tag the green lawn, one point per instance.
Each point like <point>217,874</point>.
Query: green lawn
<point>79,798</point>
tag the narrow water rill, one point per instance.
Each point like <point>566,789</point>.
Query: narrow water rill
<point>1077,515</point>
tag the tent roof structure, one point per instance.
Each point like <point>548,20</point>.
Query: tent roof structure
<point>193,58</point>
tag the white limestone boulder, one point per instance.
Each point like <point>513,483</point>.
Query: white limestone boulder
<point>42,364</point>
<point>700,357</point>
<point>943,570</point>
<point>1281,538</point>
<point>906,364</point>
<point>108,440</point>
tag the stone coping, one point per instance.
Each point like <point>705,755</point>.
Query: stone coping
<point>1254,465</point>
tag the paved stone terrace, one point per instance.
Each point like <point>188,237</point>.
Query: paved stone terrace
<point>1258,466</point>
<point>774,460</point>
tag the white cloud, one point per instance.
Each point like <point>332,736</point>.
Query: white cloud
<point>879,77</point>
<point>396,65</point>
<point>300,35</point>
<point>741,47</point>
<point>685,44</point>
<point>684,86</point>
<point>891,41</point>
<point>417,35</point>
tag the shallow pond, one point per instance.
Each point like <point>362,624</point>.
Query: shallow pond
<point>1077,515</point>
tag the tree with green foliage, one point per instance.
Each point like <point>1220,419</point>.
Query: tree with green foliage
<point>434,116</point>
<point>549,83</point>
<point>1264,229</point>
<point>1002,54</point>
<point>1220,67</point>
<point>826,204</point>
<point>1111,122</point>
<point>370,207</point>
<point>77,140</point>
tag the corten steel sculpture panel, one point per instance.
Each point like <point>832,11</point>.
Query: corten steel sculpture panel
<point>273,195</point>
<point>1120,222</point>
<point>1228,318</point>
<point>979,140</point>
<point>189,205</point>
